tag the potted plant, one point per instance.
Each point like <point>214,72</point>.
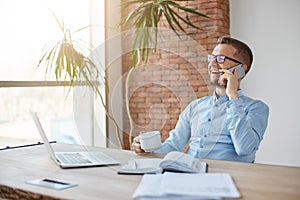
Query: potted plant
<point>144,17</point>
<point>72,67</point>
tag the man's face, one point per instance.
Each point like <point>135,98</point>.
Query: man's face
<point>214,66</point>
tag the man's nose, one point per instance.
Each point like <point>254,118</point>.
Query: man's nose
<point>214,65</point>
<point>218,66</point>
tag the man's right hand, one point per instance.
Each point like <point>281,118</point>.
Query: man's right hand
<point>136,145</point>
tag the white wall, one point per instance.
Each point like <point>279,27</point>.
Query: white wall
<point>272,29</point>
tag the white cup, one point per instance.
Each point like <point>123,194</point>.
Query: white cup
<point>150,141</point>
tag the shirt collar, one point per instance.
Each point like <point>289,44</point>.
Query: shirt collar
<point>225,97</point>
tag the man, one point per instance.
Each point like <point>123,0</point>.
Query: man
<point>227,125</point>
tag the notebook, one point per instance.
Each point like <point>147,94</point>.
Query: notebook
<point>73,159</point>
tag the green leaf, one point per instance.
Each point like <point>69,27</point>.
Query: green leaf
<point>148,13</point>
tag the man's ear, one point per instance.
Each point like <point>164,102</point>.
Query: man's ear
<point>246,68</point>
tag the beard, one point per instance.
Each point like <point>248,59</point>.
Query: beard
<point>214,79</point>
<point>213,76</point>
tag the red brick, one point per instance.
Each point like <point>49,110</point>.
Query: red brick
<point>182,66</point>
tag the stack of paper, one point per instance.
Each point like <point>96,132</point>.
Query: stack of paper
<point>186,186</point>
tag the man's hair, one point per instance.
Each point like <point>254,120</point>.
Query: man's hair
<point>243,50</point>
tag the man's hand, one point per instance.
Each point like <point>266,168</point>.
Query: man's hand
<point>231,82</point>
<point>136,145</point>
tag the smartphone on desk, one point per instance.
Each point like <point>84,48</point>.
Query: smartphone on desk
<point>240,69</point>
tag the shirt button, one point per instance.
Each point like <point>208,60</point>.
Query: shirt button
<point>201,146</point>
<point>205,135</point>
<point>209,120</point>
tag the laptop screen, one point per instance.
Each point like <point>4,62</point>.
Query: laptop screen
<point>43,135</point>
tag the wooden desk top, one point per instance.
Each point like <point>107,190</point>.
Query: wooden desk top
<point>254,181</point>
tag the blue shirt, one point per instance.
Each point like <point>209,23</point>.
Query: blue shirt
<point>219,128</point>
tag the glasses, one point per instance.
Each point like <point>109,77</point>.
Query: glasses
<point>221,58</point>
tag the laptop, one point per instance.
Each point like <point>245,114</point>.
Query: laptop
<point>73,159</point>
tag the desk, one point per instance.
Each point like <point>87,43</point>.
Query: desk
<point>254,181</point>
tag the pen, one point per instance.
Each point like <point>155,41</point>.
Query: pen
<point>135,164</point>
<point>26,145</point>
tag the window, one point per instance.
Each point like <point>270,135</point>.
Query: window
<point>28,27</point>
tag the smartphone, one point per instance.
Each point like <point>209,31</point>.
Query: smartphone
<point>53,184</point>
<point>241,71</point>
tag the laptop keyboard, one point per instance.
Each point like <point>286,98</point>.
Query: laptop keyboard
<point>69,158</point>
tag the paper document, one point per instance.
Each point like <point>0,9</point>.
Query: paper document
<point>186,186</point>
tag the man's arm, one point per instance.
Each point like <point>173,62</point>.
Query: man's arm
<point>247,126</point>
<point>179,136</point>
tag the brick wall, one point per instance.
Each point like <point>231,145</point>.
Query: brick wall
<point>176,74</point>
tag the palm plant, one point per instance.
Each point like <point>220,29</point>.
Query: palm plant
<point>70,65</point>
<point>145,16</point>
